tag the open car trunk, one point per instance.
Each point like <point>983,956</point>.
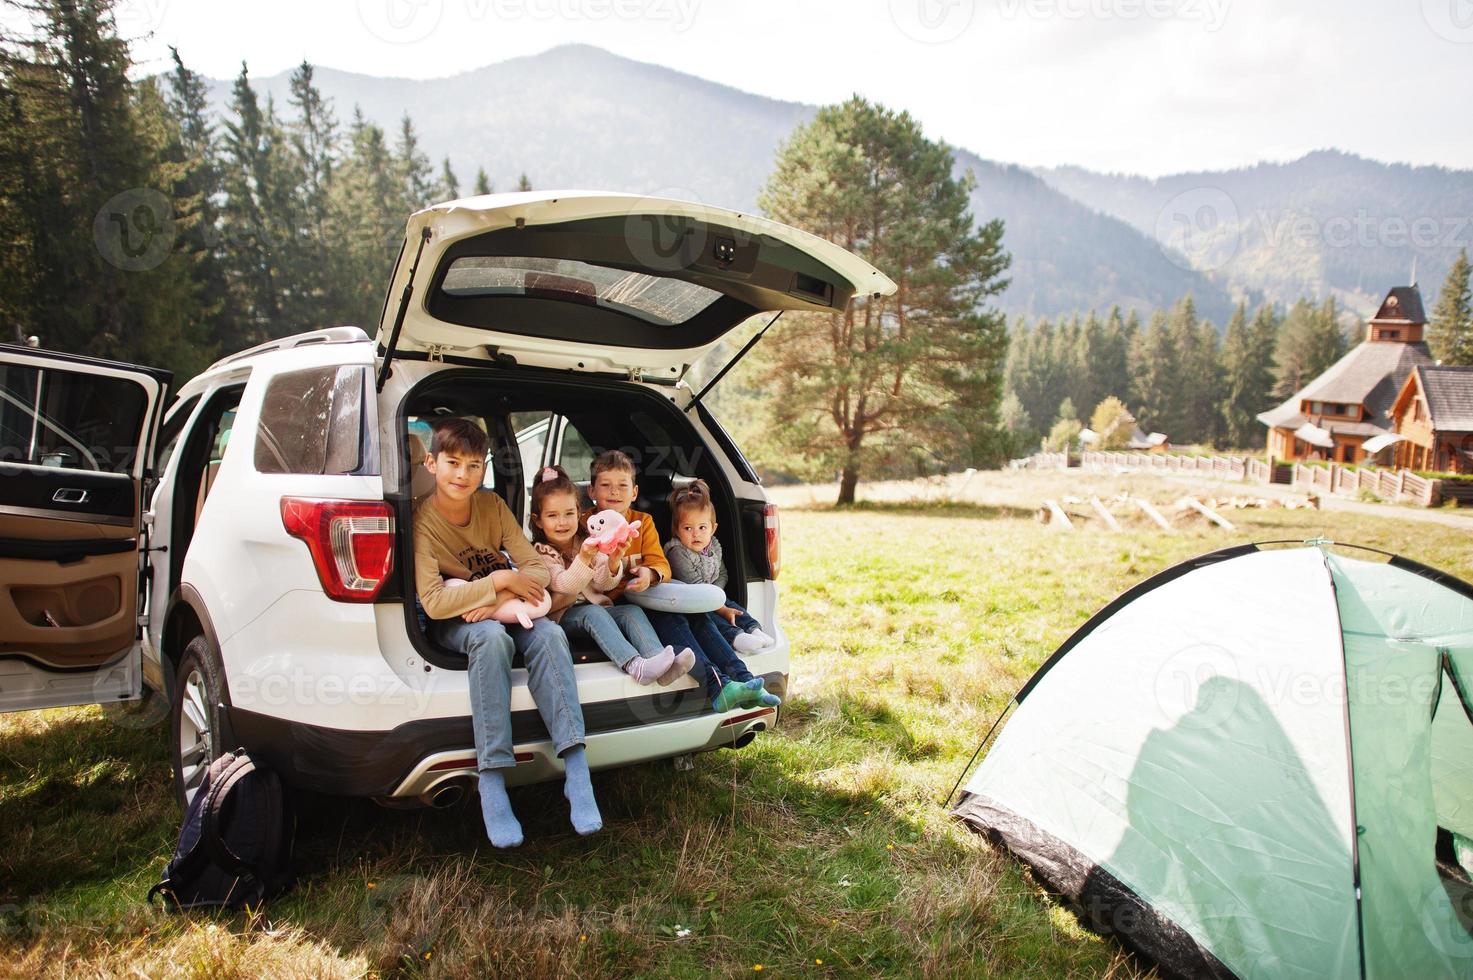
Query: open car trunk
<point>601,282</point>
<point>569,420</point>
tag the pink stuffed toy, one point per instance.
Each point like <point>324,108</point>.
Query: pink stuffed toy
<point>609,532</point>
<point>514,610</point>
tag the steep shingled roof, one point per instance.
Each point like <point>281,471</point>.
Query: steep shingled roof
<point>1403,303</point>
<point>1449,392</point>
<point>1369,375</point>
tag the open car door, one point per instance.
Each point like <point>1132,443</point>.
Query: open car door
<point>601,282</point>
<point>76,436</point>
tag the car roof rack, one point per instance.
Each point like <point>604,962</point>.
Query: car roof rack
<point>329,335</point>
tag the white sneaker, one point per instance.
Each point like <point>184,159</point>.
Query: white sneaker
<point>747,643</point>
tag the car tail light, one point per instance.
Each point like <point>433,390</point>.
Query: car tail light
<point>774,539</point>
<point>351,541</point>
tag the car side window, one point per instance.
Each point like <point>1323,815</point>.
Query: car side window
<point>172,429</point>
<point>70,419</point>
<point>312,421</point>
<point>574,453</point>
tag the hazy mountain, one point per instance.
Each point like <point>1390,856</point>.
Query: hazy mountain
<point>578,116</point>
<point>1327,223</point>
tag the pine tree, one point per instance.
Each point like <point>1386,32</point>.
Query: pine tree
<point>483,183</point>
<point>523,184</point>
<point>1156,368</point>
<point>449,189</point>
<point>1199,384</point>
<point>1296,352</point>
<point>196,191</point>
<point>257,216</point>
<point>1247,368</point>
<point>372,198</point>
<point>1450,334</point>
<point>413,168</point>
<point>315,265</point>
<point>84,155</point>
<point>921,370</point>
<point>1110,357</point>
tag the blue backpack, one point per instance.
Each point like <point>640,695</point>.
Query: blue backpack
<point>235,845</point>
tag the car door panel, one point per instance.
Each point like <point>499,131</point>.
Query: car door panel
<point>74,440</point>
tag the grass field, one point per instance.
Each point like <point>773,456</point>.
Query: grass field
<point>821,849</point>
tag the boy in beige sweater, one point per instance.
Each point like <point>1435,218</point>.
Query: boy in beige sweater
<point>462,533</point>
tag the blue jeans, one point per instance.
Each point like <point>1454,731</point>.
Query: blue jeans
<point>621,632</point>
<point>716,662</point>
<point>745,622</point>
<point>490,647</point>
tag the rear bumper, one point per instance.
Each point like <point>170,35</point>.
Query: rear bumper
<point>410,759</point>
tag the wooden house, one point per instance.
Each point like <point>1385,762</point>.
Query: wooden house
<point>1433,414</point>
<point>1335,414</point>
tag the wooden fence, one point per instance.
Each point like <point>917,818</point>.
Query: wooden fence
<point>1393,485</point>
<point>1227,467</point>
<point>1042,461</point>
<point>1386,484</point>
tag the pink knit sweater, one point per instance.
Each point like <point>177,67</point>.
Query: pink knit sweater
<point>575,578</point>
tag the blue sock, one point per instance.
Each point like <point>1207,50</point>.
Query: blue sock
<point>755,684</point>
<point>579,791</point>
<point>501,824</point>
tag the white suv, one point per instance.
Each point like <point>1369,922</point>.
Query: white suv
<point>247,552</point>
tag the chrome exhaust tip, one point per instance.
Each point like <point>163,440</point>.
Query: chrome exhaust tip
<point>446,795</point>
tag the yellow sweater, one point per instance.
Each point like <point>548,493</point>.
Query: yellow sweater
<point>445,550</point>
<point>646,546</point>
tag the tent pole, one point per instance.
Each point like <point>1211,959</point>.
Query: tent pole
<point>947,802</point>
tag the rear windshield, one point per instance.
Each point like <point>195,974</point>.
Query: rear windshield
<point>654,299</point>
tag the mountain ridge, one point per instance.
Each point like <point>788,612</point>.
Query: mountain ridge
<point>577,115</point>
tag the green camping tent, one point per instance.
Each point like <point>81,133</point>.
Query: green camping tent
<point>1258,763</point>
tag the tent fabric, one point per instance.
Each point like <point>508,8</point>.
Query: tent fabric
<point>1241,774</point>
<point>1100,900</point>
<point>1397,628</point>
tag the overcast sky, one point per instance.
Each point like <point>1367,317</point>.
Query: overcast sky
<point>1143,86</point>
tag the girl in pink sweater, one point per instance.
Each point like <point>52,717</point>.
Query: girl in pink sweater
<point>580,577</point>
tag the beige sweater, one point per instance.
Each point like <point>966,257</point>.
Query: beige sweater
<point>445,550</point>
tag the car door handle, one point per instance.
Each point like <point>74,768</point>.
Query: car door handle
<point>69,495</point>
